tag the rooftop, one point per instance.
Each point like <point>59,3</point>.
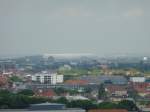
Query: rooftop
<point>74,82</point>
<point>47,106</point>
<point>113,88</point>
<point>47,103</point>
<point>102,79</point>
<point>108,110</point>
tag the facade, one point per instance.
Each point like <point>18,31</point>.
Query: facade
<point>117,92</point>
<point>137,79</point>
<point>44,86</point>
<point>142,89</point>
<point>59,78</point>
<point>47,78</point>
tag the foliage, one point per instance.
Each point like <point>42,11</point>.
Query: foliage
<point>101,92</point>
<point>60,91</point>
<point>62,100</point>
<point>133,94</point>
<point>15,101</point>
<point>15,79</point>
<point>107,105</point>
<point>85,104</point>
<point>144,102</point>
<point>88,90</point>
<point>26,92</point>
<point>126,104</point>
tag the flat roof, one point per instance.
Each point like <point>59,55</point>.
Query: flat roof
<point>39,104</point>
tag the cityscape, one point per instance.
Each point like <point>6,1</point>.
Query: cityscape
<point>74,56</point>
<point>97,83</point>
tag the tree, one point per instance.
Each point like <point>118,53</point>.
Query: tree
<point>62,100</point>
<point>85,104</point>
<point>4,92</point>
<point>60,90</point>
<point>27,92</point>
<point>126,104</point>
<point>4,98</point>
<point>101,92</point>
<point>16,101</point>
<point>107,105</point>
<point>15,79</point>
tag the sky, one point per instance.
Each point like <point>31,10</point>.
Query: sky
<point>100,27</point>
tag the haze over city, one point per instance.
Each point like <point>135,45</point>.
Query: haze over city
<point>99,27</point>
<point>74,56</point>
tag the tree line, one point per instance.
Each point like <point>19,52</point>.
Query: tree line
<point>24,98</point>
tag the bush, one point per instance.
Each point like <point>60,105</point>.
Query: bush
<point>26,92</point>
<point>126,104</point>
<point>107,105</point>
<point>15,101</point>
<point>85,104</point>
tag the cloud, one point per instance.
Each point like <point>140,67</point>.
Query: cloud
<point>134,12</point>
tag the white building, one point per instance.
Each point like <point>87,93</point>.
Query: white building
<point>137,79</point>
<point>78,97</point>
<point>48,78</point>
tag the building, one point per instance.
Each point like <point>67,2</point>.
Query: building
<point>142,89</point>
<point>47,106</point>
<point>52,107</point>
<point>146,108</point>
<point>44,86</point>
<point>45,93</point>
<point>78,97</point>
<point>105,79</point>
<point>137,79</point>
<point>117,90</point>
<point>76,84</point>
<point>18,86</point>
<point>108,110</point>
<point>47,78</point>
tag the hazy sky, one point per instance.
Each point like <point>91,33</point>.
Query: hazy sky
<point>74,26</point>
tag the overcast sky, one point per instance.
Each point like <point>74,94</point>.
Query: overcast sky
<point>74,26</point>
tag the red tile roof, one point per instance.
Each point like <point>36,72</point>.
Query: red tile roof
<point>141,87</point>
<point>45,93</point>
<point>76,82</point>
<point>108,110</point>
<point>113,88</point>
